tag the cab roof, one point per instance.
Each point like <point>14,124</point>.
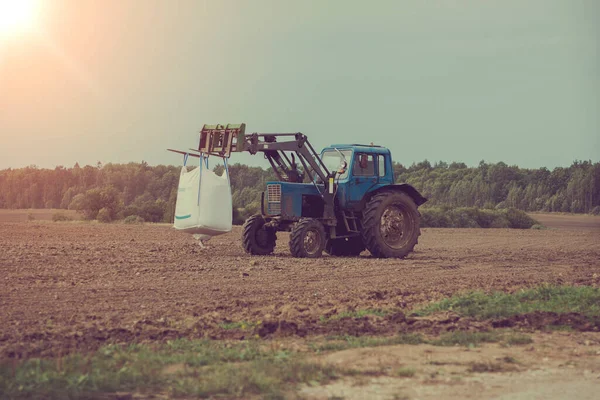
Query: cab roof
<point>360,148</point>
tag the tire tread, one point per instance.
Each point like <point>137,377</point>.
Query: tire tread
<point>370,225</point>
<point>250,227</point>
<point>297,238</point>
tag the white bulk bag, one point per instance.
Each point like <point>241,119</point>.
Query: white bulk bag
<point>204,205</point>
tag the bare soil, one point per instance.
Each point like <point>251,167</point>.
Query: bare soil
<point>77,286</point>
<point>561,365</point>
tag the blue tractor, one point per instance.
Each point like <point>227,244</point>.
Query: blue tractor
<point>341,201</point>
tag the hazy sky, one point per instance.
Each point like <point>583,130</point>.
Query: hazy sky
<point>122,80</point>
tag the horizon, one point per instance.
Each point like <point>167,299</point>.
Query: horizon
<point>461,81</point>
<point>267,166</point>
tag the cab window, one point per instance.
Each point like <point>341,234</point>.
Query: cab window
<point>333,159</point>
<point>364,165</point>
<point>381,165</point>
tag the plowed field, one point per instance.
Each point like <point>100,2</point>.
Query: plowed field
<point>67,286</point>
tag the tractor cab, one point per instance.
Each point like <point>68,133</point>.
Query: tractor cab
<point>361,169</point>
<point>354,171</point>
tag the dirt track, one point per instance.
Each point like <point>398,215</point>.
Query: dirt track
<point>67,286</point>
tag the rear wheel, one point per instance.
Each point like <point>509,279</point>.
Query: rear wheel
<point>257,239</point>
<point>391,225</point>
<point>345,247</point>
<point>307,239</point>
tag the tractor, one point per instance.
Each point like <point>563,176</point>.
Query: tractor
<point>341,201</point>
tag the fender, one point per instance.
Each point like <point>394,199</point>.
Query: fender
<point>400,187</point>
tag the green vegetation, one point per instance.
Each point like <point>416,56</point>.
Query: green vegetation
<point>584,300</point>
<point>355,314</point>
<point>207,369</point>
<point>335,343</point>
<point>406,372</point>
<point>471,217</point>
<point>517,339</point>
<point>559,328</point>
<point>242,325</point>
<point>150,192</point>
<point>133,219</point>
<point>61,217</point>
<point>104,215</point>
<point>179,368</point>
<point>501,186</point>
<point>456,338</point>
<point>199,368</point>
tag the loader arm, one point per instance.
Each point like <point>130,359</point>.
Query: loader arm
<point>276,152</point>
<point>280,149</point>
<point>297,144</point>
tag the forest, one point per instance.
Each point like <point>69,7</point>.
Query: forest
<point>116,191</point>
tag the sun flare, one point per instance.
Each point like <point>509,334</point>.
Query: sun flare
<point>17,16</point>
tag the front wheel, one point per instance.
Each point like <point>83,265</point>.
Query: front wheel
<point>257,239</point>
<point>391,225</point>
<point>307,239</point>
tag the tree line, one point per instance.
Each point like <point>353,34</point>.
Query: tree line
<point>116,191</point>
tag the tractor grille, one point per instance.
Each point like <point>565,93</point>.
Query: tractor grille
<point>274,199</point>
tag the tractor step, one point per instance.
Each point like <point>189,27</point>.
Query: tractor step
<point>351,221</point>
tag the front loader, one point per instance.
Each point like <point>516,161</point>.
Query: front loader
<point>341,201</point>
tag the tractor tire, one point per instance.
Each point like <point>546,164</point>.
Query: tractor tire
<point>307,239</point>
<point>345,247</point>
<point>257,239</point>
<point>391,225</point>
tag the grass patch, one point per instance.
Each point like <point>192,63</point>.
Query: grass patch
<point>517,339</point>
<point>337,343</point>
<point>458,338</point>
<point>197,368</point>
<point>202,368</point>
<point>475,339</point>
<point>467,339</point>
<point>241,325</point>
<point>177,368</point>
<point>355,314</point>
<point>584,300</point>
<point>559,328</point>
<point>406,372</point>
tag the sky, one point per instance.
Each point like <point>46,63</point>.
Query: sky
<point>123,80</point>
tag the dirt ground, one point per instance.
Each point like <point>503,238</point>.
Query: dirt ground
<point>556,366</point>
<point>76,286</point>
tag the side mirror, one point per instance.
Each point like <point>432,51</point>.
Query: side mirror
<point>343,167</point>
